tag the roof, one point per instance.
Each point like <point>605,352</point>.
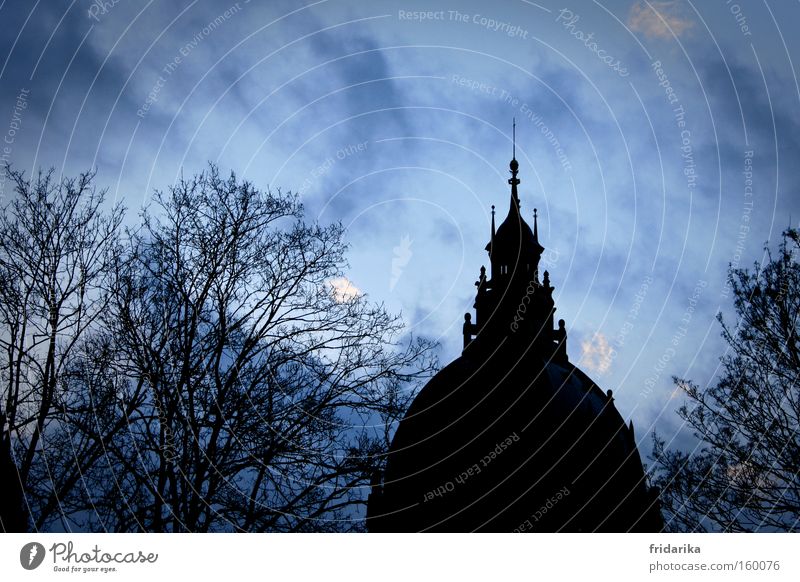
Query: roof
<point>559,429</point>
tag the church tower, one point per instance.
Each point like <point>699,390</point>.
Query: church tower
<point>511,436</point>
<point>514,298</point>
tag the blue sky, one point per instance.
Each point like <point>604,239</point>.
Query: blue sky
<point>658,140</point>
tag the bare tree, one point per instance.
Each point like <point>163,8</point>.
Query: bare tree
<point>58,243</point>
<point>744,474</point>
<point>256,395</point>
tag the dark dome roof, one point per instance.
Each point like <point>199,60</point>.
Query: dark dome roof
<point>484,446</point>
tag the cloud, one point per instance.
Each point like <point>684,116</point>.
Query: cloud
<point>343,289</point>
<point>596,354</point>
<point>658,19</point>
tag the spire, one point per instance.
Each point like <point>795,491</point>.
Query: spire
<point>514,165</point>
<point>490,244</point>
<point>513,138</point>
<point>493,229</point>
<point>513,240</point>
<point>539,247</point>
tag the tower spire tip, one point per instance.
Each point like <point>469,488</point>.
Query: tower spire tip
<point>514,165</point>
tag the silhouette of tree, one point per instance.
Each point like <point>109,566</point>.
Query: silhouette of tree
<point>57,246</point>
<point>255,395</point>
<point>744,474</point>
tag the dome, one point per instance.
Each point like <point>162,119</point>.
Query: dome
<point>514,237</point>
<point>525,445</point>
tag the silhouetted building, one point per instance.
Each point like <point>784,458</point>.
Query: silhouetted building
<point>511,436</point>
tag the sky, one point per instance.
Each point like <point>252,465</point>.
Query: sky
<point>657,139</point>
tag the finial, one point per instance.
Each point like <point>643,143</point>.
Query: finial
<point>535,225</point>
<point>513,180</point>
<point>513,138</point>
<point>467,329</point>
<point>514,165</point>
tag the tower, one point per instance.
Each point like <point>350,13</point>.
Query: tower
<point>514,298</point>
<point>511,436</point>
